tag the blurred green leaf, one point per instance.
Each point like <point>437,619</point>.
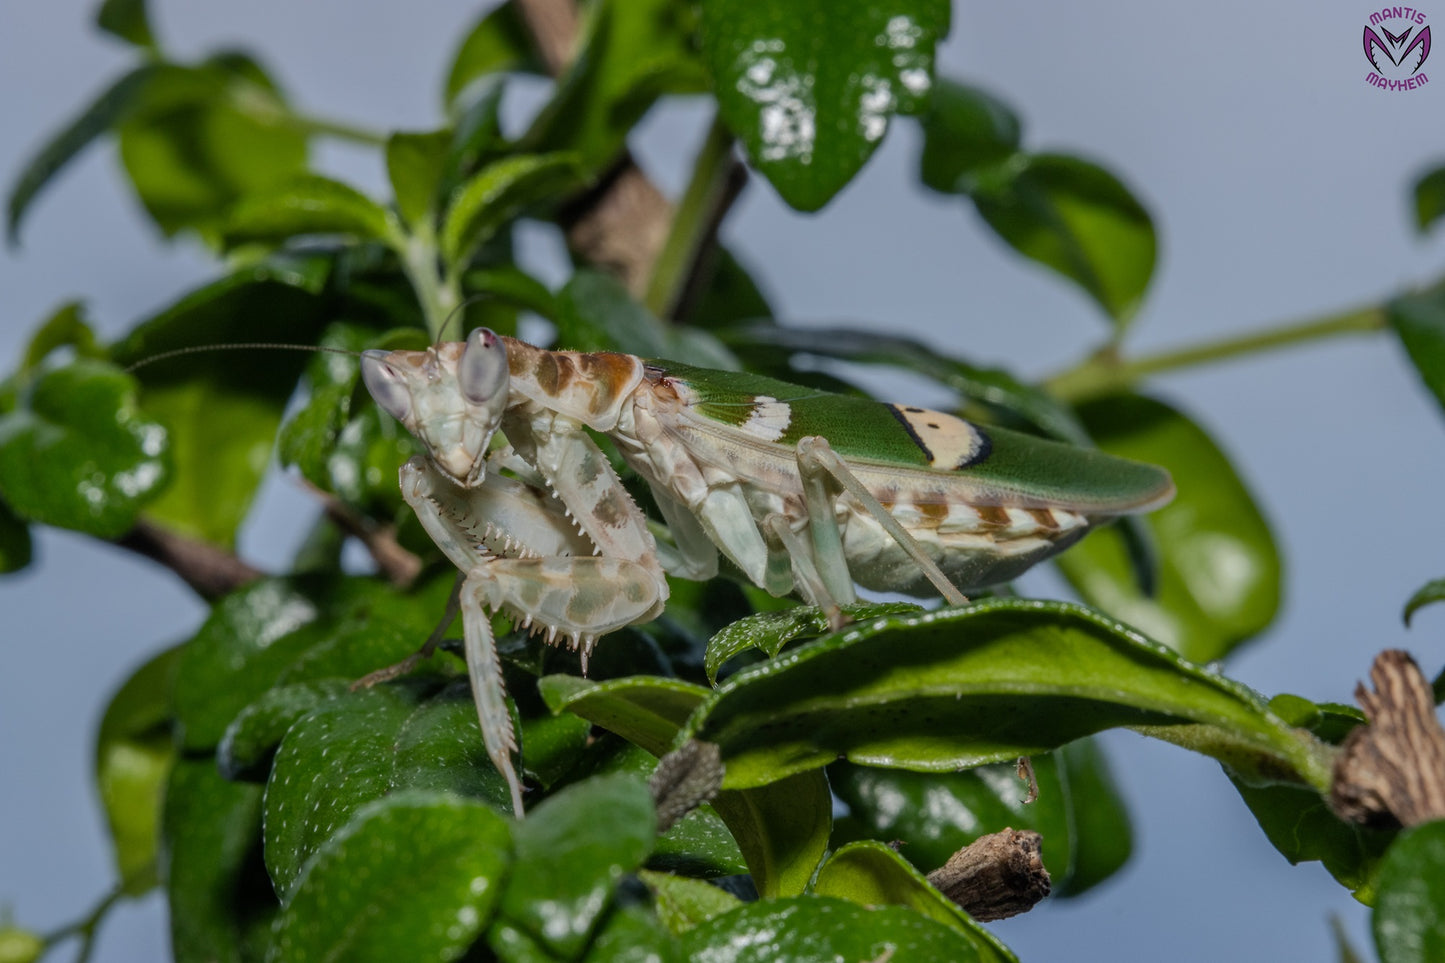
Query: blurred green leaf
<point>682,903</point>
<point>222,414</point>
<point>66,328</point>
<point>1219,571</point>
<point>1429,199</point>
<point>15,546</point>
<point>810,86</point>
<point>109,109</point>
<point>134,751</point>
<point>414,877</point>
<point>871,874</point>
<point>1419,321</point>
<point>632,934</point>
<point>127,20</point>
<point>728,294</point>
<point>1077,218</point>
<point>1102,834</point>
<point>309,204</point>
<point>1409,919</point>
<point>1428,594</point>
<point>203,137</point>
<point>498,194</point>
<point>967,134</point>
<point>416,164</point>
<point>499,42</point>
<point>357,748</point>
<point>571,852</point>
<point>19,945</point>
<point>595,313</point>
<point>983,683</point>
<point>221,903</point>
<point>770,631</point>
<point>823,928</point>
<point>78,453</point>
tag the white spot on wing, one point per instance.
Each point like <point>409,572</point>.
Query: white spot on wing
<point>769,418</point>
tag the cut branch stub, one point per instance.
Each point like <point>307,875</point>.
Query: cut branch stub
<point>995,876</point>
<point>1393,769</point>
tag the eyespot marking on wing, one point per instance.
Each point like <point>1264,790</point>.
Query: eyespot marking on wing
<point>947,442</point>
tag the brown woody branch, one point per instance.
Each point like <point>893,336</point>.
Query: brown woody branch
<point>1392,770</point>
<point>996,876</point>
<point>399,566</point>
<point>212,572</point>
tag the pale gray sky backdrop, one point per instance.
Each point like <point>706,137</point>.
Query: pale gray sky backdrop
<point>1278,180</point>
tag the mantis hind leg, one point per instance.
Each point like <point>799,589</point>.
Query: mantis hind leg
<point>818,465</point>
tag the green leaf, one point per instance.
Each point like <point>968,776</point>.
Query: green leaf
<point>78,453</point>
<point>871,874</point>
<point>500,42</point>
<point>632,934</point>
<point>630,53</point>
<point>204,137</point>
<point>1409,919</point>
<point>108,110</point>
<point>1427,594</point>
<point>1080,220</point>
<point>134,751</point>
<point>222,413</point>
<point>354,749</point>
<point>981,683</point>
<point>1429,199</point>
<point>309,204</point>
<point>571,852</point>
<point>221,904</point>
<point>770,631</point>
<point>15,547</point>
<point>1219,571</point>
<point>66,328</point>
<point>128,20</point>
<point>1419,321</point>
<point>809,86</point>
<point>1102,835</point>
<point>683,903</point>
<point>967,134</point>
<point>415,877</point>
<point>782,829</point>
<point>596,313</point>
<point>251,739</point>
<point>498,194</point>
<point>728,296</point>
<point>823,928</point>
<point>19,945</point>
<point>416,164</point>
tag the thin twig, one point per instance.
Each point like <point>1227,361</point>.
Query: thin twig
<point>212,572</point>
<point>399,566</point>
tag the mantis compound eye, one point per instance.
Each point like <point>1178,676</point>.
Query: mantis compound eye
<point>385,384</point>
<point>482,373</point>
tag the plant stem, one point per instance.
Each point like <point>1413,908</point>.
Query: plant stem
<point>695,222</point>
<point>87,926</point>
<point>1106,372</point>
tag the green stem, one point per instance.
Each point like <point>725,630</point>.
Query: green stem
<point>1106,372</point>
<point>87,926</point>
<point>695,222</point>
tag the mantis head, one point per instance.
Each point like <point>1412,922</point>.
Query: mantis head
<point>450,396</point>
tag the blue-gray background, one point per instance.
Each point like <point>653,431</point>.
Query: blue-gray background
<point>1278,181</point>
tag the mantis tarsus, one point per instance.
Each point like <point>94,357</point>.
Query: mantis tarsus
<point>803,490</point>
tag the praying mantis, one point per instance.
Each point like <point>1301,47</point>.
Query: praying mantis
<point>804,491</point>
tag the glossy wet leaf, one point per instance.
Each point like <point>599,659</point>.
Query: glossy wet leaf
<point>369,744</point>
<point>79,453</point>
<point>1080,220</point>
<point>15,545</point>
<point>203,137</point>
<point>823,928</point>
<point>416,164</point>
<point>304,205</point>
<point>631,933</point>
<point>415,877</point>
<point>872,874</point>
<point>221,903</point>
<point>1409,919</point>
<point>781,829</point>
<point>1429,199</point>
<point>770,631</point>
<point>983,683</point>
<point>127,20</point>
<point>499,42</point>
<point>682,903</point>
<point>1219,571</point>
<point>809,87</point>
<point>133,756</point>
<point>571,852</point>
<point>251,739</point>
<point>967,134</point>
<point>498,194</point>
<point>1428,594</point>
<point>1419,321</point>
<point>108,109</point>
<point>222,408</point>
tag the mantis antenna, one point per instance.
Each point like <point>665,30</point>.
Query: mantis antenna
<point>239,346</point>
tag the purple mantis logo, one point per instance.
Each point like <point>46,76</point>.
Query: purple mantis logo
<point>1398,57</point>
